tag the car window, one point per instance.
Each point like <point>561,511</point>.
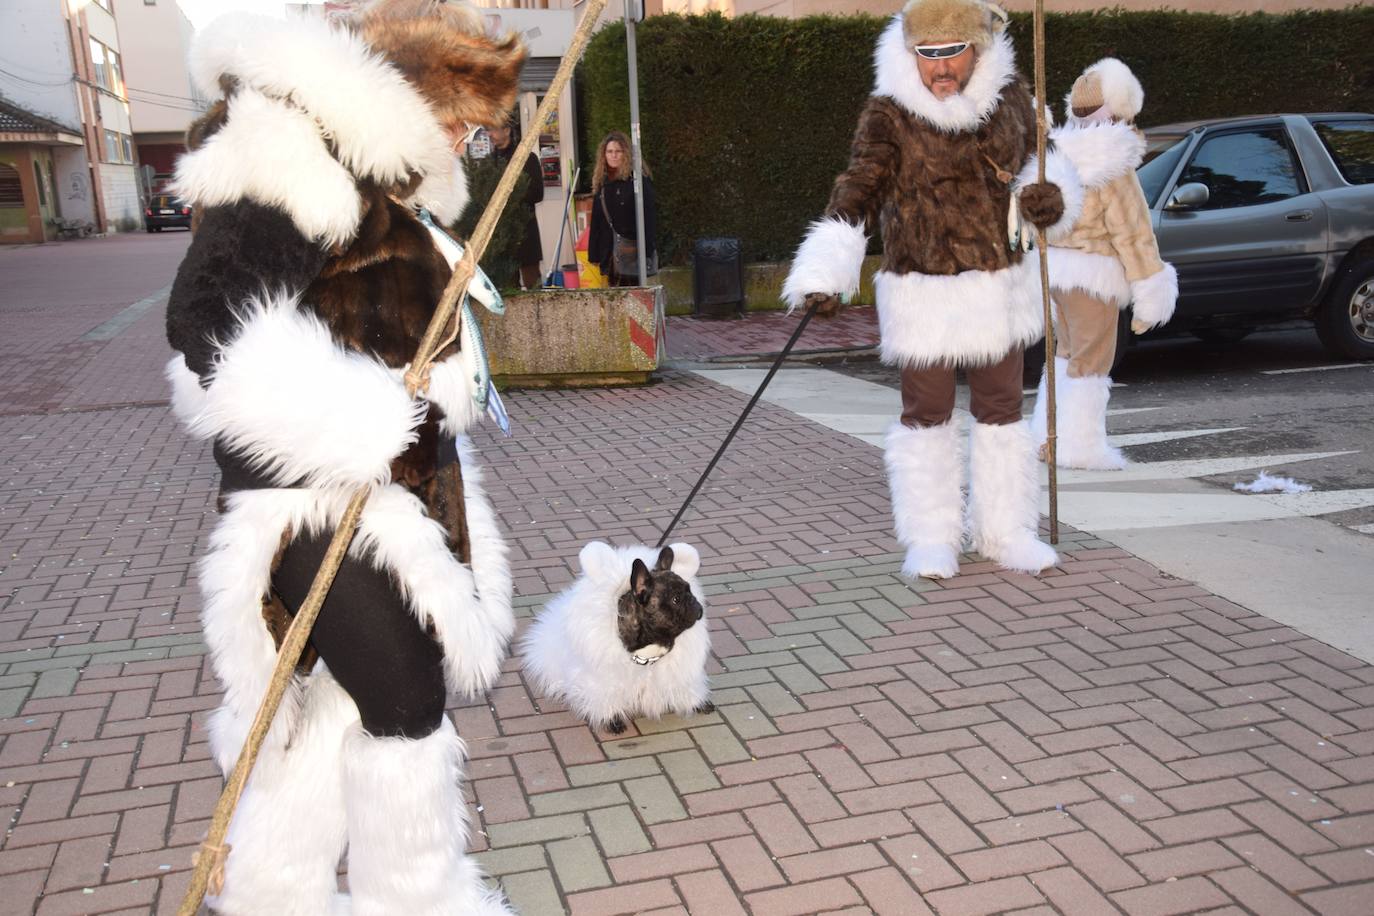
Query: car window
<point>1244,168</point>
<point>1351,144</point>
<point>1161,158</point>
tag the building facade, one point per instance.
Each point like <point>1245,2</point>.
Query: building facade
<point>62,64</point>
<point>155,37</point>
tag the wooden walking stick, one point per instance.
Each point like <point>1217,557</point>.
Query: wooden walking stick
<point>209,861</point>
<point>1040,130</point>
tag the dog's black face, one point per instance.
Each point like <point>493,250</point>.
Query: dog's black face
<point>658,608</point>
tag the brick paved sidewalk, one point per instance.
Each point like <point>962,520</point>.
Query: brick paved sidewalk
<point>1101,739</point>
<point>765,333</point>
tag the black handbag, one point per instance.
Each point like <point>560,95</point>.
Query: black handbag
<point>625,251</point>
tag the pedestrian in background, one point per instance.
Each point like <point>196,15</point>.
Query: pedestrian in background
<point>530,251</point>
<point>612,243</point>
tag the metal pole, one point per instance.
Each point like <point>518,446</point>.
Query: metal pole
<point>1051,420</point>
<point>634,142</point>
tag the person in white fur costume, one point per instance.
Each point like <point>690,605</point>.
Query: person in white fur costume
<point>302,297</point>
<point>943,163</point>
<point>1108,262</point>
<point>628,638</point>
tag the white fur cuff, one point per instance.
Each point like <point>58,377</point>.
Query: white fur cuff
<point>829,260</point>
<point>1059,171</point>
<point>285,395</point>
<point>1154,298</point>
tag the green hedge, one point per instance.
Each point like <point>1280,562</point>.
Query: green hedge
<point>747,121</point>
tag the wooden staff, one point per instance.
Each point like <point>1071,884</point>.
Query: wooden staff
<point>1040,130</point>
<point>210,859</point>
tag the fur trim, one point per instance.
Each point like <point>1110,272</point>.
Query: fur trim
<point>1153,298</point>
<point>1081,418</point>
<point>445,52</point>
<point>451,390</point>
<point>829,260</point>
<point>382,127</point>
<point>924,473</point>
<point>974,21</point>
<point>407,828</point>
<point>297,405</point>
<point>273,154</point>
<point>1004,498</point>
<point>1059,171</point>
<point>234,577</point>
<point>972,318</point>
<point>188,398</point>
<point>1100,152</point>
<point>289,829</point>
<point>897,76</point>
<point>1095,274</point>
<point>573,650</point>
<point>469,608</point>
<point>1122,93</point>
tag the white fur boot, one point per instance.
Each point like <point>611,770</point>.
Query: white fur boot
<point>1039,413</point>
<point>407,828</point>
<point>1004,497</point>
<point>1082,423</point>
<point>289,829</point>
<point>925,474</point>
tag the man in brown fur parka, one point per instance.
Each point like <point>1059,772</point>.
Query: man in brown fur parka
<point>942,163</point>
<point>302,298</point>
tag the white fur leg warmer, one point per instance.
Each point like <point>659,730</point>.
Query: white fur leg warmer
<point>407,829</point>
<point>289,829</point>
<point>925,473</point>
<point>1082,425</point>
<point>1004,497</point>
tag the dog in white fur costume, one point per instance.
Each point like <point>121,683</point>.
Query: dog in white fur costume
<point>628,638</point>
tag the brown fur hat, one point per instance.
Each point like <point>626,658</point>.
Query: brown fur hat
<point>444,50</point>
<point>937,21</point>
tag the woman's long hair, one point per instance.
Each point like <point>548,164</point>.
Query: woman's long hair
<point>599,176</point>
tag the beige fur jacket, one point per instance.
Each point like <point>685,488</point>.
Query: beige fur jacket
<point>1111,252</point>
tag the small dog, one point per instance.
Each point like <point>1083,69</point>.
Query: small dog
<point>624,640</point>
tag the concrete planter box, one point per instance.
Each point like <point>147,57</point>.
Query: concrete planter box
<point>574,338</point>
<point>762,286</point>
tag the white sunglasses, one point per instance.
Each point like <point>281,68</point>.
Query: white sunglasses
<point>940,52</point>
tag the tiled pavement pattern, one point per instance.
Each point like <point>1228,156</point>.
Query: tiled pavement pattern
<point>767,332</point>
<point>1102,739</point>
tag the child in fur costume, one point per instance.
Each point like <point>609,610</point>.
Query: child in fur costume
<point>934,163</point>
<point>1109,261</point>
<point>300,301</point>
<point>627,639</point>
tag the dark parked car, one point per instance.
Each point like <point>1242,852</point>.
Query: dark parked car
<point>164,210</point>
<point>1267,219</point>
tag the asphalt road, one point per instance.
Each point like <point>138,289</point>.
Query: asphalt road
<point>1250,388</point>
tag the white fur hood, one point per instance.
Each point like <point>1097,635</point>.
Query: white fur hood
<point>897,76</point>
<point>302,82</point>
<point>1100,152</point>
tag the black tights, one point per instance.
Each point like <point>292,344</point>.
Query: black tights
<point>374,647</point>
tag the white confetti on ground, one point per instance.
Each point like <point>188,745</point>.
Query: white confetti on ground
<point>1266,484</point>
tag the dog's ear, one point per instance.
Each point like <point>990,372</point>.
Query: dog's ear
<point>640,581</point>
<point>665,560</point>
<point>598,560</point>
<point>686,561</point>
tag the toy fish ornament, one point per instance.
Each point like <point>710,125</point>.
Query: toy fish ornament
<point>472,348</point>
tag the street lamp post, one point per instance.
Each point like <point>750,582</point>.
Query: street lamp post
<point>633,11</point>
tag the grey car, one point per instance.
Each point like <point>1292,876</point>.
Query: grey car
<point>1268,219</point>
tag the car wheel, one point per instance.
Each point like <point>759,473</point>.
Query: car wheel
<point>1221,336</point>
<point>148,229</point>
<point>1345,323</point>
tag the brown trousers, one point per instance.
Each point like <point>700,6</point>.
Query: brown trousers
<point>928,394</point>
<point>1086,332</point>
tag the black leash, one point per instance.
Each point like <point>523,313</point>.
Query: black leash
<point>801,326</point>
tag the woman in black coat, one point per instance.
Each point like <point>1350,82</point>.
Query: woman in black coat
<point>613,209</point>
<point>531,251</point>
